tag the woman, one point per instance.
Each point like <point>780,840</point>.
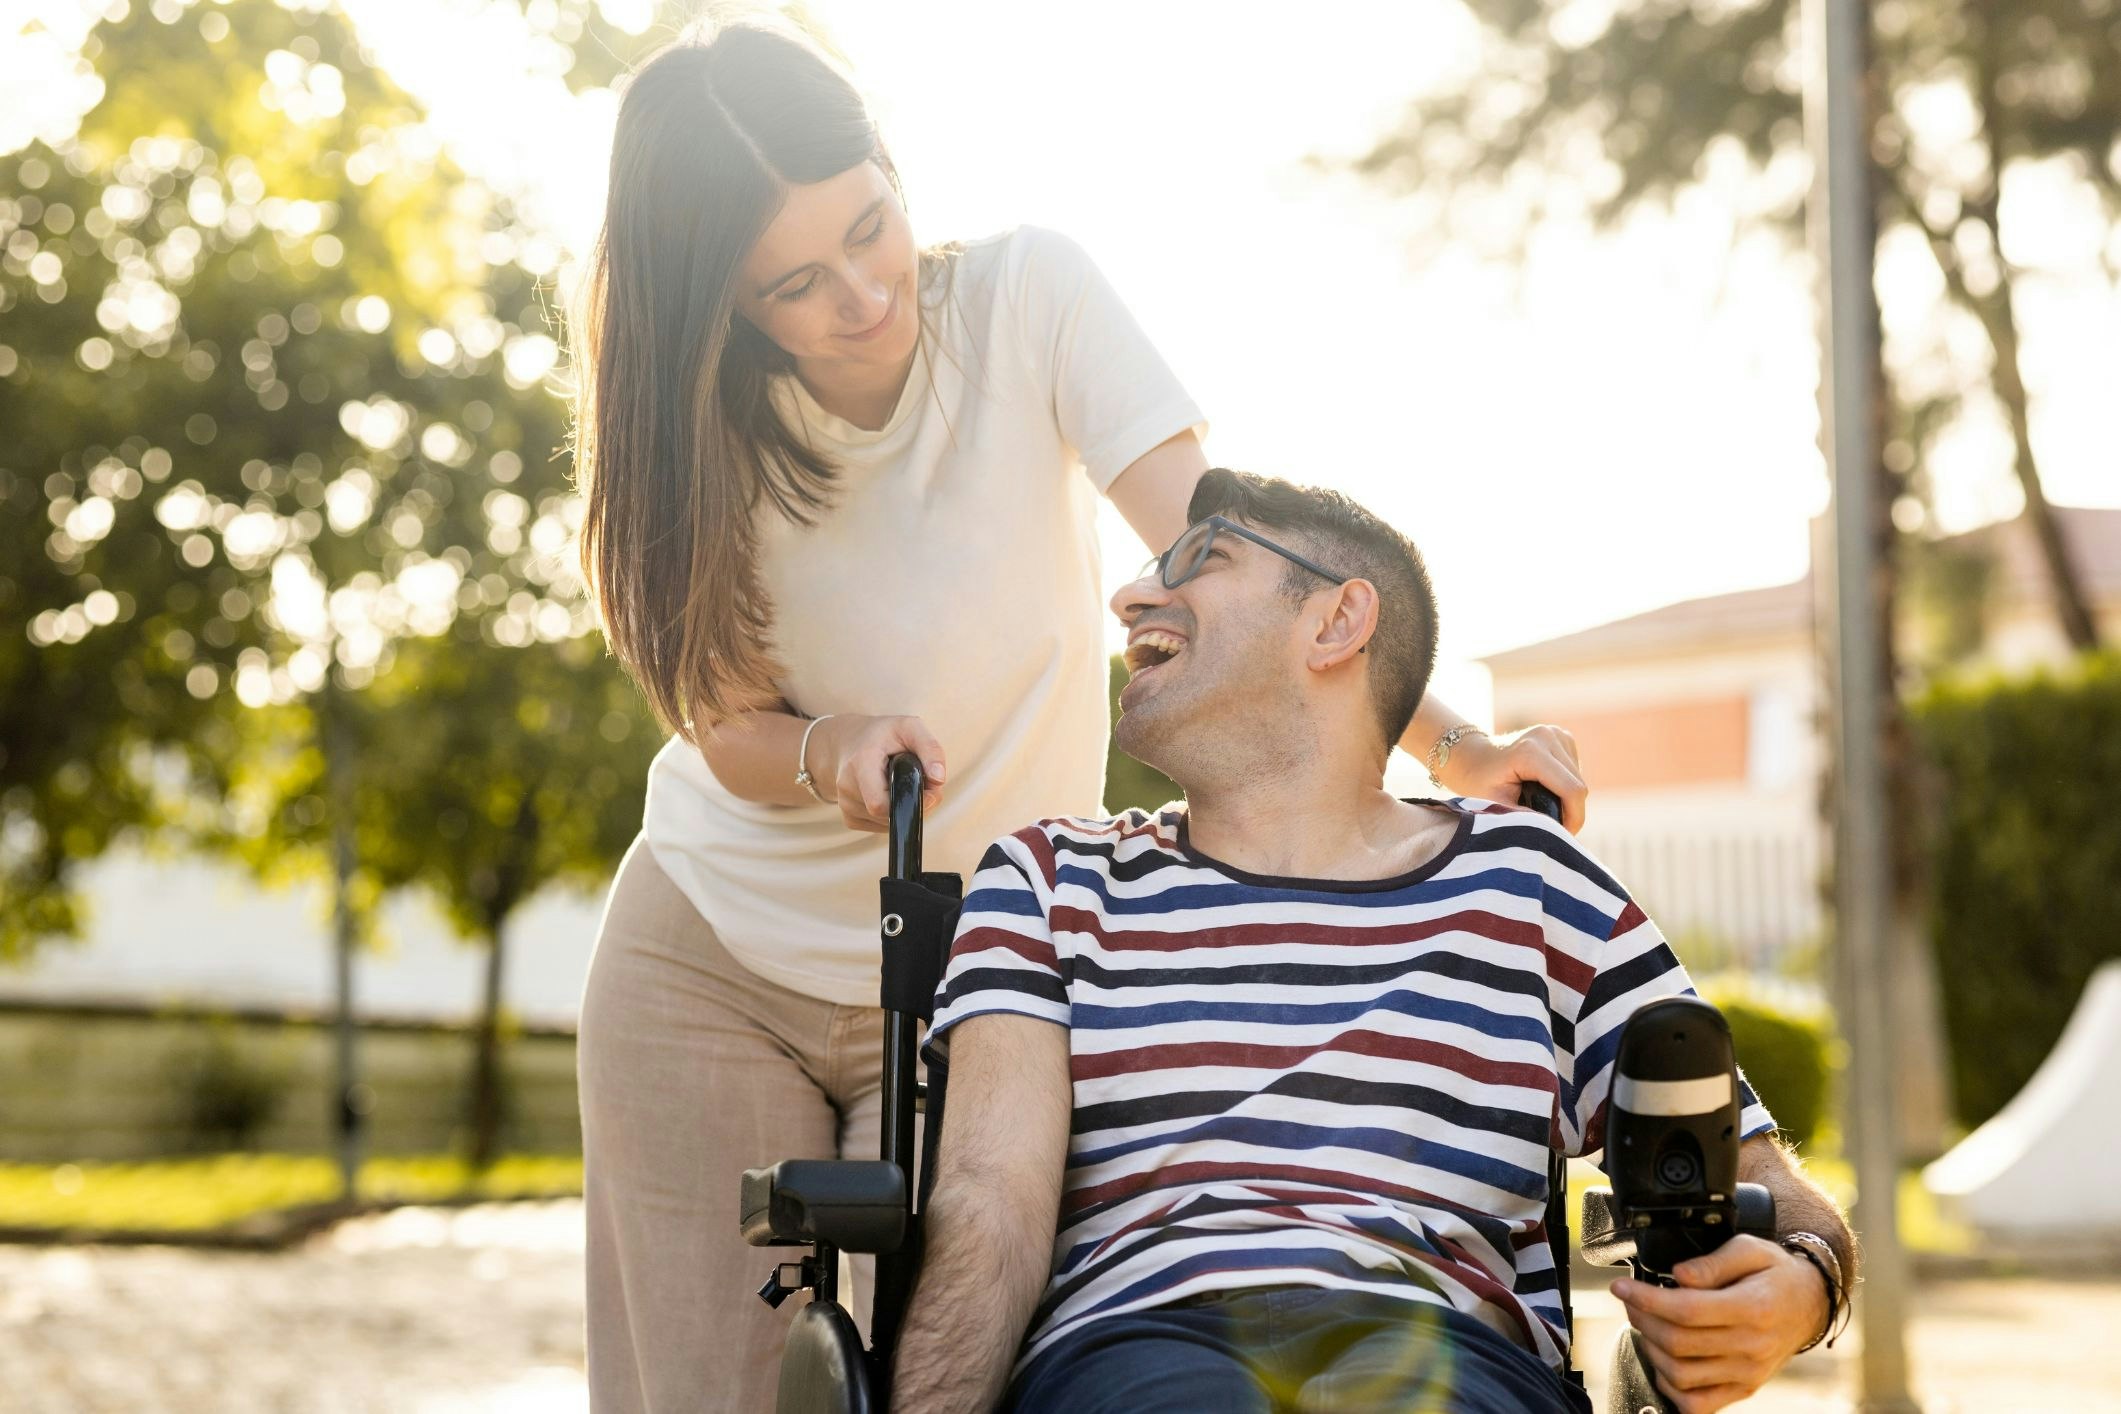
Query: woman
<point>841,496</point>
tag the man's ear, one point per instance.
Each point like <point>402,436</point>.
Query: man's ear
<point>1349,624</point>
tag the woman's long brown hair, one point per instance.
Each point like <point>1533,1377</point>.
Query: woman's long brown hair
<point>677,443</point>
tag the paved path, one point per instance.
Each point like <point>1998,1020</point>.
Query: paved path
<point>478,1311</point>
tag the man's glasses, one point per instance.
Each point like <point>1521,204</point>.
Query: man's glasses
<point>1190,551</point>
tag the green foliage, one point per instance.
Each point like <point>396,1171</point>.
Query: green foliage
<point>1787,1058</point>
<point>270,369</point>
<point>1128,783</point>
<point>1578,113</point>
<point>228,1095</point>
<point>2026,849</point>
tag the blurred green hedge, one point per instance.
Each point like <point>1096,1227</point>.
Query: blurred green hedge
<point>1787,1057</point>
<point>2025,863</point>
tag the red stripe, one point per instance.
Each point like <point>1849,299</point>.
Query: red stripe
<point>1493,927</point>
<point>1483,1284</point>
<point>1174,1175</point>
<point>1629,920</point>
<point>1256,1056</point>
<point>989,939</point>
<point>1033,838</point>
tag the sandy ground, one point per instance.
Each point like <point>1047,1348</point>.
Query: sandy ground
<point>474,1310</point>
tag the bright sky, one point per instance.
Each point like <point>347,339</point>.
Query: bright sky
<point>1627,422</point>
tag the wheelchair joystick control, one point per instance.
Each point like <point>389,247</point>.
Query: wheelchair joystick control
<point>1671,1148</point>
<point>1672,1145</point>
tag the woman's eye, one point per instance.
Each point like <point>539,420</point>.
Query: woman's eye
<point>790,296</point>
<point>876,232</point>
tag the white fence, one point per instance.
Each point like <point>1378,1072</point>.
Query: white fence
<point>1728,899</point>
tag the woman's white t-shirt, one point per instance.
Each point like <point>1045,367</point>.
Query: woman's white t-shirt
<point>954,578</point>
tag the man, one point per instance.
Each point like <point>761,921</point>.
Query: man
<point>1253,1099</point>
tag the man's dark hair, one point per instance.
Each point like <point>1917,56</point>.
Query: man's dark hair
<point>1347,539</point>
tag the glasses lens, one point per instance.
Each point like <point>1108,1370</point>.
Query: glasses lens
<point>1184,559</point>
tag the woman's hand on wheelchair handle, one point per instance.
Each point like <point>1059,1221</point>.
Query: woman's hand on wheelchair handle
<point>852,754</point>
<point>1488,769</point>
<point>1736,1317</point>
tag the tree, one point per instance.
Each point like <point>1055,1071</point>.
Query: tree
<point>277,369</point>
<point>1605,117</point>
<point>1608,117</point>
<point>486,772</point>
<point>270,408</point>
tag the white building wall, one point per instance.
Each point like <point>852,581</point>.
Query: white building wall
<point>182,931</point>
<point>1730,867</point>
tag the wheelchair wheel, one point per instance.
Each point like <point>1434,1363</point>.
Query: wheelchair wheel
<point>824,1370</point>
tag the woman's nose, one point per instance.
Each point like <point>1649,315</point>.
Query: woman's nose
<point>867,299</point>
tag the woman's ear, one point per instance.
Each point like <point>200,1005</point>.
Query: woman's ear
<point>1349,624</point>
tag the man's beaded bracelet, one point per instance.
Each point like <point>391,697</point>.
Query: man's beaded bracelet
<point>1820,1253</point>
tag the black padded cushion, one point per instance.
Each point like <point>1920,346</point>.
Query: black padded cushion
<point>822,1369</point>
<point>915,956</point>
<point>856,1205</point>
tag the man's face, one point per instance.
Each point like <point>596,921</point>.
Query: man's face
<point>1214,665</point>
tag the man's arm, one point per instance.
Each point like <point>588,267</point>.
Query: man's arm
<point>1742,1311</point>
<point>1801,1205</point>
<point>991,1218</point>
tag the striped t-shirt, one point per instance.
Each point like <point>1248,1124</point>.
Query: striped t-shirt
<point>1294,1082</point>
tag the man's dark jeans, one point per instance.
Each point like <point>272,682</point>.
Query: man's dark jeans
<point>1290,1348</point>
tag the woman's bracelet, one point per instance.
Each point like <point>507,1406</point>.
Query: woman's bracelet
<point>803,777</point>
<point>1441,752</point>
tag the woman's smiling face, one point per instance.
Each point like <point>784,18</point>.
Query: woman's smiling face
<point>835,277</point>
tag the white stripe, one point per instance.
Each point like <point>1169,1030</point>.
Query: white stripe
<point>1672,1097</point>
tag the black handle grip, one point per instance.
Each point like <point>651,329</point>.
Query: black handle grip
<point>908,782</point>
<point>1534,796</point>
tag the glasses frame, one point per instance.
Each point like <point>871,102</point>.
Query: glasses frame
<point>1217,525</point>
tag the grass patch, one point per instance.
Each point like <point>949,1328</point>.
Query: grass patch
<point>201,1194</point>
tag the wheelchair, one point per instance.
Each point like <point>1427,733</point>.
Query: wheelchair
<point>1673,1159</point>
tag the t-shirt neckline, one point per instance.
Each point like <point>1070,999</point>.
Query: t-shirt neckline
<point>1459,835</point>
<point>836,429</point>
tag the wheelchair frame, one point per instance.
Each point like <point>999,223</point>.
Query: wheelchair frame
<point>874,1207</point>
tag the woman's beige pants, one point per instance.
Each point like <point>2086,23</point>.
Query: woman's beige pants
<point>692,1070</point>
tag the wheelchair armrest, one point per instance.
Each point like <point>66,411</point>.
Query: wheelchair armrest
<point>854,1205</point>
<point>1605,1243</point>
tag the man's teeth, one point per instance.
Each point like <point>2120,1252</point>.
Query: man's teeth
<point>1152,648</point>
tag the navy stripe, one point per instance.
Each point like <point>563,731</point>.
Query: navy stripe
<point>1100,1016</point>
<point>1162,1157</point>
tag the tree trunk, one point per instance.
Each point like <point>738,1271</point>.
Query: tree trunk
<point>349,1109</point>
<point>504,890</point>
<point>486,1061</point>
<point>1999,320</point>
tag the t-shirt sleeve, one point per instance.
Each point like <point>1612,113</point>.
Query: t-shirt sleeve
<point>1633,966</point>
<point>1114,397</point>
<point>1002,959</point>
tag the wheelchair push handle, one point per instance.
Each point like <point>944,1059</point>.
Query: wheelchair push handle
<point>908,782</point>
<point>1534,796</point>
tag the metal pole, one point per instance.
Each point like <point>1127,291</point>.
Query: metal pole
<point>1844,246</point>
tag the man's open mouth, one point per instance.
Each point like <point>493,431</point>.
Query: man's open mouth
<point>1152,648</point>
